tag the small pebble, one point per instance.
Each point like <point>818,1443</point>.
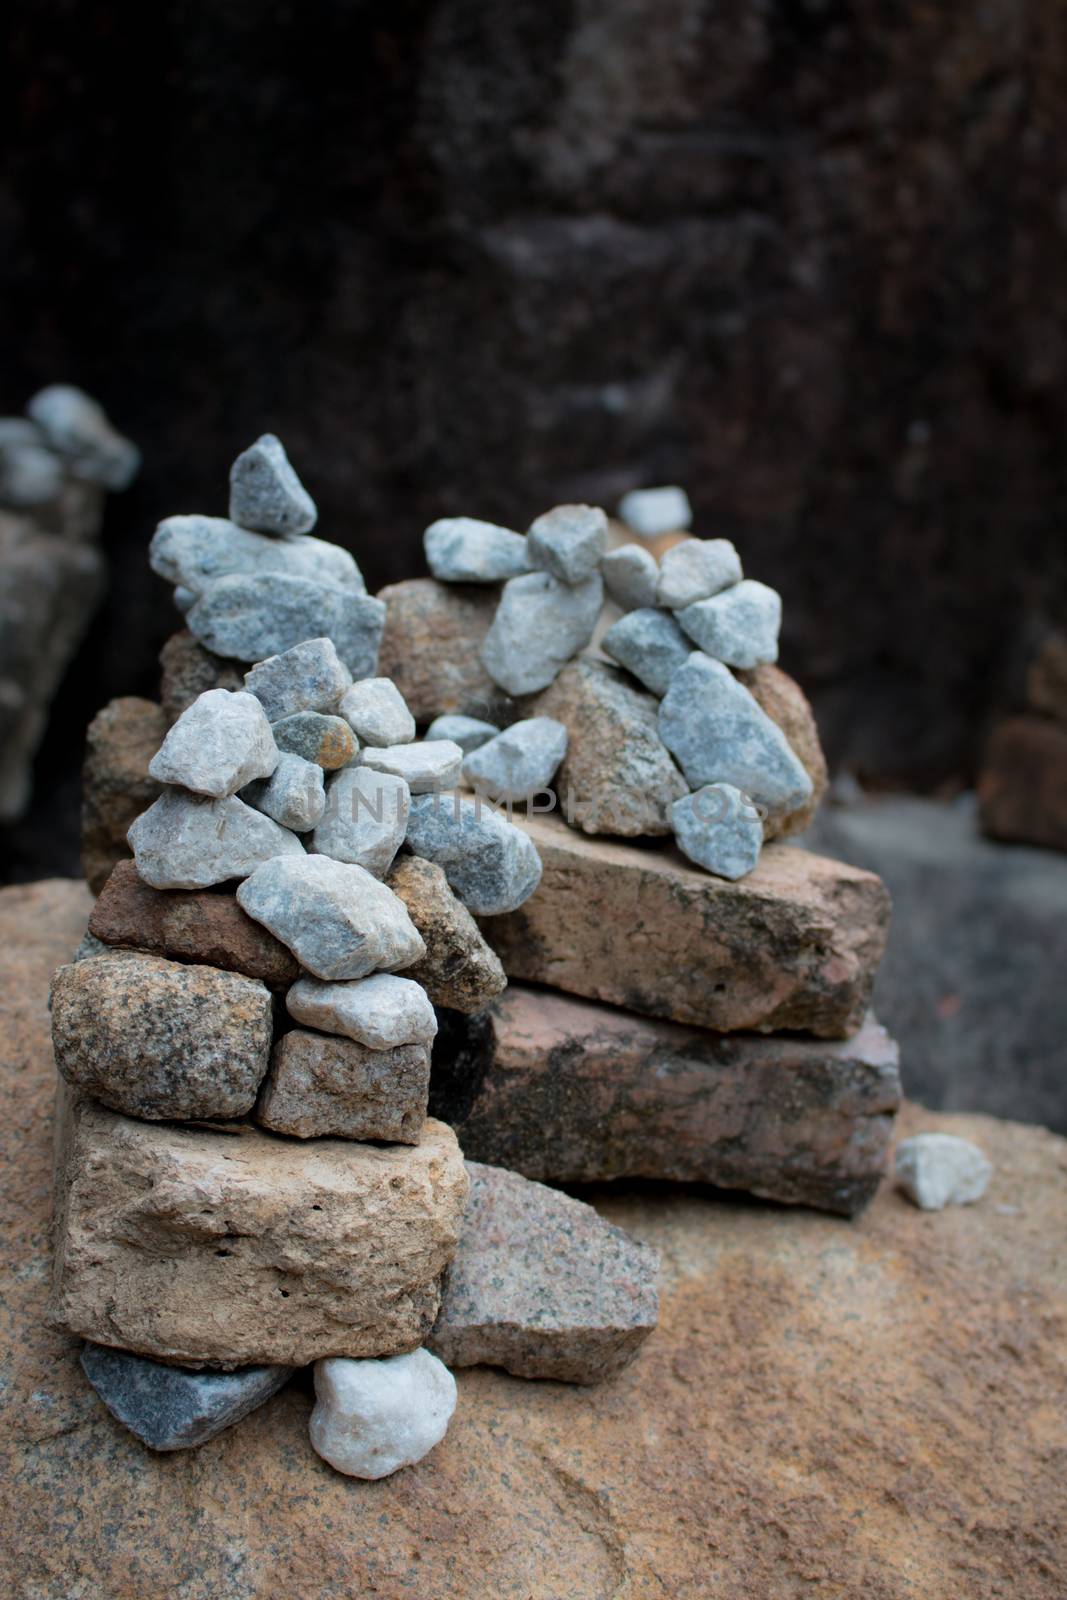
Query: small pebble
<point>739,627</point>
<point>938,1169</point>
<point>251,617</point>
<point>651,512</point>
<point>467,732</point>
<point>650,644</point>
<point>185,842</point>
<point>719,829</point>
<point>569,542</point>
<point>381,1012</point>
<point>77,428</point>
<point>173,1408</point>
<point>294,794</point>
<point>519,762</point>
<point>365,819</point>
<point>326,740</point>
<point>631,576</point>
<point>464,550</point>
<point>490,864</point>
<point>695,570</point>
<point>309,677</point>
<point>539,625</point>
<point>373,1417</point>
<point>265,493</point>
<point>377,712</point>
<point>220,743</point>
<point>425,766</point>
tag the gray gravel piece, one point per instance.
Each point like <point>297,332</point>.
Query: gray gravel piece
<point>718,829</point>
<point>650,644</point>
<point>265,492</point>
<point>194,550</point>
<point>490,864</point>
<point>365,818</point>
<point>695,569</point>
<point>382,1012</point>
<point>426,766</point>
<point>294,795</point>
<point>220,743</point>
<point>539,625</point>
<point>251,617</point>
<point>631,576</point>
<point>172,1408</point>
<point>568,542</point>
<point>468,732</point>
<point>185,842</point>
<point>309,677</point>
<point>377,712</point>
<point>739,627</point>
<point>464,550</point>
<point>519,762</point>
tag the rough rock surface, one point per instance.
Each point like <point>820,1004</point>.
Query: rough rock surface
<point>470,733</point>
<point>459,970</point>
<point>326,740</point>
<point>171,1408</point>
<point>301,1251</point>
<point>821,1407</point>
<point>630,576</point>
<point>294,796</point>
<point>195,552</point>
<point>201,926</point>
<point>937,1170</point>
<point>542,1286</point>
<point>265,492</point>
<point>696,569</point>
<point>431,649</point>
<point>319,1085</point>
<point>161,1039</point>
<point>617,777</point>
<point>490,863</point>
<point>785,702</point>
<point>568,542</point>
<point>120,743</point>
<point>365,818</point>
<point>718,829</point>
<point>520,762</point>
<point>250,618</point>
<point>464,550</point>
<point>1022,788</point>
<point>186,842</point>
<point>429,765</point>
<point>567,1091</point>
<point>540,623</point>
<point>220,743</point>
<point>650,645</point>
<point>373,1417</point>
<point>382,1012</point>
<point>740,626</point>
<point>309,677</point>
<point>189,670</point>
<point>794,945</point>
<point>374,709</point>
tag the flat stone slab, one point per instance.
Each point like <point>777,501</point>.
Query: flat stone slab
<point>795,944</point>
<point>542,1286</point>
<point>300,1250</point>
<point>320,1085</point>
<point>567,1091</point>
<point>787,1342</point>
<point>172,1408</point>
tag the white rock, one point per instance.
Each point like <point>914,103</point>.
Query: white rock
<point>294,795</point>
<point>539,625</point>
<point>338,920</point>
<point>650,644</point>
<point>937,1169</point>
<point>568,542</point>
<point>220,743</point>
<point>78,429</point>
<point>265,492</point>
<point>631,576</point>
<point>365,818</point>
<point>464,550</point>
<point>651,512</point>
<point>739,626</point>
<point>520,761</point>
<point>195,550</point>
<point>381,1012</point>
<point>309,677</point>
<point>373,1417</point>
<point>377,712</point>
<point>185,842</point>
<point>428,765</point>
<point>490,864</point>
<point>695,570</point>
<point>468,732</point>
<point>718,829</point>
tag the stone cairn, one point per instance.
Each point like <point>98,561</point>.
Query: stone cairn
<point>296,994</point>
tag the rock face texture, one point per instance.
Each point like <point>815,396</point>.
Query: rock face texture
<point>821,1406</point>
<point>431,648</point>
<point>116,788</point>
<point>188,671</point>
<point>321,1085</point>
<point>300,1251</point>
<point>795,945</point>
<point>570,1092</point>
<point>460,969</point>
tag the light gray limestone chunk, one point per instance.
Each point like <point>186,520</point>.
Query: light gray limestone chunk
<point>695,569</point>
<point>265,492</point>
<point>309,677</point>
<point>220,743</point>
<point>468,732</point>
<point>326,740</point>
<point>335,917</point>
<point>651,512</point>
<point>194,550</point>
<point>428,765</point>
<point>718,829</point>
<point>519,762</point>
<point>251,617</point>
<point>294,794</point>
<point>77,428</point>
<point>539,625</point>
<point>30,473</point>
<point>186,842</point>
<point>173,1408</point>
<point>718,733</point>
<point>464,550</point>
<point>631,576</point>
<point>568,542</point>
<point>490,864</point>
<point>365,819</point>
<point>373,1417</point>
<point>377,712</point>
<point>938,1169</point>
<point>381,1012</point>
<point>650,644</point>
<point>739,627</point>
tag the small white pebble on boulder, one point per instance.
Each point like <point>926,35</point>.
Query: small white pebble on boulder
<point>739,627</point>
<point>365,818</point>
<point>381,1012</point>
<point>468,732</point>
<point>937,1169</point>
<point>650,644</point>
<point>539,625</point>
<point>630,576</point>
<point>695,570</point>
<point>218,744</point>
<point>719,829</point>
<point>185,842</point>
<point>294,795</point>
<point>377,713</point>
<point>309,677</point>
<point>519,762</point>
<point>266,494</point>
<point>373,1417</point>
<point>651,512</point>
<point>464,550</point>
<point>425,766</point>
<point>569,542</point>
<point>490,864</point>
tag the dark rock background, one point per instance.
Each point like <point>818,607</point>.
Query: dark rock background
<point>803,256</point>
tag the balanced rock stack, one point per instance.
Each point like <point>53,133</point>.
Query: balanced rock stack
<point>248,1181</point>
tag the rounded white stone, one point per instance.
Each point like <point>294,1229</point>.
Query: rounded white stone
<point>650,512</point>
<point>381,1012</point>
<point>373,1417</point>
<point>695,570</point>
<point>937,1169</point>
